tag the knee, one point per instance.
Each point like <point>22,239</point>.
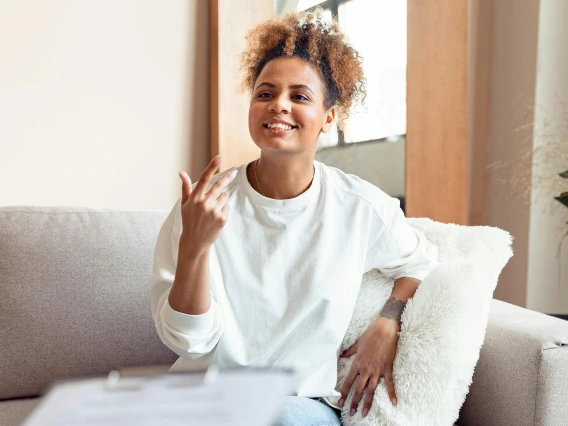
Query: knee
<point>290,413</point>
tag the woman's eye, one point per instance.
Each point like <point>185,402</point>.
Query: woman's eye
<point>268,95</point>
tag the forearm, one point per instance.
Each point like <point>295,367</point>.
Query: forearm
<point>404,288</point>
<point>190,292</point>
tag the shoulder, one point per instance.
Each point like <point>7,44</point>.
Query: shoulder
<point>359,191</point>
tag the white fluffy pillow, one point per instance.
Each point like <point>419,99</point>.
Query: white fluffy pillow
<point>443,327</point>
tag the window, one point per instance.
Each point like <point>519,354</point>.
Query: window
<point>377,29</point>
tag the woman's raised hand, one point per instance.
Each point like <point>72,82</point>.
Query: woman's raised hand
<point>203,214</point>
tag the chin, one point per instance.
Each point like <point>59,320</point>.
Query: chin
<point>272,141</point>
<point>276,144</point>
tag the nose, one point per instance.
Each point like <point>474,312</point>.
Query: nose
<point>279,104</point>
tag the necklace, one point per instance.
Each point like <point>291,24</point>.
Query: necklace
<point>257,178</point>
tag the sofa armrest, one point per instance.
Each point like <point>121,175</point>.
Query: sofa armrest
<point>521,377</point>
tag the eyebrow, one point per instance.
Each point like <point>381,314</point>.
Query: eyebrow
<point>292,86</point>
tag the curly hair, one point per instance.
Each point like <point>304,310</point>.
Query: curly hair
<point>322,44</point>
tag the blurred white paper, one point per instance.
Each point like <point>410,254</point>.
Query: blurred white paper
<point>246,397</point>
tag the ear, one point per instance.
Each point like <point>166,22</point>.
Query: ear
<point>329,117</point>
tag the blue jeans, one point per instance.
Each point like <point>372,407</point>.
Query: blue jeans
<point>303,411</point>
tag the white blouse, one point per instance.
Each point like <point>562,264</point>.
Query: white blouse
<point>285,274</point>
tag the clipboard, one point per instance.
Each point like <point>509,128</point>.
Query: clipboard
<point>201,395</point>
<point>119,379</point>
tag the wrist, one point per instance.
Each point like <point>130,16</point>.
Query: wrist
<point>392,310</point>
<point>187,250</point>
<point>387,325</point>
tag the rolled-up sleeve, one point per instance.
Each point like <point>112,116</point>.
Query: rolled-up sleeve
<point>401,250</point>
<point>189,336</point>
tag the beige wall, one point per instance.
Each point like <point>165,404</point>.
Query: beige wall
<point>547,289</point>
<point>527,70</point>
<point>513,73</point>
<point>102,102</point>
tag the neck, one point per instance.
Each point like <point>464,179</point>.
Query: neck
<point>281,179</point>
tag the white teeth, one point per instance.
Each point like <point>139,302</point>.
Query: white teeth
<point>279,126</point>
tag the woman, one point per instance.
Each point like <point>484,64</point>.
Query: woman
<point>260,265</point>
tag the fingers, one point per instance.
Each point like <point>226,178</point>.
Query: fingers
<point>368,382</point>
<point>350,351</point>
<point>216,189</point>
<point>203,182</point>
<point>371,387</point>
<point>185,186</point>
<point>351,376</point>
<point>358,394</point>
<point>225,211</point>
<point>221,204</point>
<point>390,387</point>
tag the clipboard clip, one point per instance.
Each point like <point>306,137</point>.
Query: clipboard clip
<point>198,373</point>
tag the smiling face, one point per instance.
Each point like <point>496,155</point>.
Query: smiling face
<point>287,110</point>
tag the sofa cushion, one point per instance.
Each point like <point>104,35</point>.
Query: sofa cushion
<point>443,327</point>
<point>74,294</point>
<point>13,413</point>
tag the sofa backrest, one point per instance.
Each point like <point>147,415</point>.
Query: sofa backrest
<point>75,294</point>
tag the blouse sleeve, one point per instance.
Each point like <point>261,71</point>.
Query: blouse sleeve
<point>401,250</point>
<point>189,336</point>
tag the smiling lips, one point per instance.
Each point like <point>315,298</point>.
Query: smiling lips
<point>278,125</point>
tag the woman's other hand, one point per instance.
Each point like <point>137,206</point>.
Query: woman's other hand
<point>204,213</point>
<point>374,351</point>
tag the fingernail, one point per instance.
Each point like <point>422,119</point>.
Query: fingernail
<point>393,400</point>
<point>341,402</point>
<point>353,410</point>
<point>233,173</point>
<point>365,411</point>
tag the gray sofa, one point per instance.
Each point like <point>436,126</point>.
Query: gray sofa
<point>74,302</point>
